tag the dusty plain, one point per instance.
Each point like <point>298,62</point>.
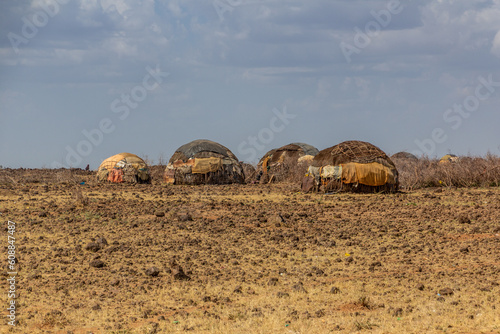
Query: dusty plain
<point>249,259</point>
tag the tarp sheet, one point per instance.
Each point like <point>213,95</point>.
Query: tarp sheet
<point>206,165</point>
<point>115,175</point>
<point>371,174</point>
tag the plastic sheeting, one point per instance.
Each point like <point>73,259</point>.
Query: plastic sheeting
<point>206,165</point>
<point>371,174</point>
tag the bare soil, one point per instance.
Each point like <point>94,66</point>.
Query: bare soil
<point>250,258</point>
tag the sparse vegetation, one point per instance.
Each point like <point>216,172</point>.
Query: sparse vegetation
<point>118,258</point>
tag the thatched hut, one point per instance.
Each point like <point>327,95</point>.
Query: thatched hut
<point>449,158</point>
<point>404,156</point>
<point>203,162</point>
<point>354,166</point>
<point>124,167</point>
<point>285,162</point>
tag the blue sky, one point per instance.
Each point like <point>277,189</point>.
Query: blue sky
<point>83,80</point>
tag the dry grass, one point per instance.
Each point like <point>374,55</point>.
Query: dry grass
<point>261,258</point>
<point>467,172</point>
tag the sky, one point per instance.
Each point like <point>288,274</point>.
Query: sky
<point>86,79</point>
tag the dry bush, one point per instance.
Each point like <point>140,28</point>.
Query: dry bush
<point>467,172</point>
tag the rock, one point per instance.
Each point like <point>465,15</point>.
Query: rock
<point>114,282</point>
<point>282,294</point>
<point>272,281</point>
<point>420,287</point>
<point>93,247</point>
<point>446,292</point>
<point>319,313</point>
<point>440,299</point>
<point>185,217</point>
<point>317,271</point>
<point>160,214</point>
<point>179,274</point>
<point>464,250</point>
<point>281,271</point>
<point>97,263</point>
<point>96,307</point>
<point>102,242</point>
<point>152,272</point>
<point>464,219</point>
<point>299,288</point>
<point>334,290</point>
<point>237,289</point>
<point>349,259</point>
<point>398,312</point>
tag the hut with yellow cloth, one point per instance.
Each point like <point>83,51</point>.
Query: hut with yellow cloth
<point>351,166</point>
<point>203,162</point>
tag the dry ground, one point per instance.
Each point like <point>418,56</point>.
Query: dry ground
<point>251,259</point>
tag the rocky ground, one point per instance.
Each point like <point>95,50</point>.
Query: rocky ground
<point>251,259</point>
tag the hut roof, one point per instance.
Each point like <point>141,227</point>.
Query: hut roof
<point>122,159</point>
<point>404,155</point>
<point>201,148</point>
<point>352,151</point>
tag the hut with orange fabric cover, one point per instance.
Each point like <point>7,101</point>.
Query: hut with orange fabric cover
<point>124,167</point>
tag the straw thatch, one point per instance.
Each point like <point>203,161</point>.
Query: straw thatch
<point>203,162</point>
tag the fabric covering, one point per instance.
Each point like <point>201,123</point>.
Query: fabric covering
<point>115,175</point>
<point>121,159</point>
<point>206,165</point>
<point>372,174</point>
<point>203,162</point>
<point>132,169</point>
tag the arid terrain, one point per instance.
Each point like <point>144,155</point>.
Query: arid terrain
<point>249,258</point>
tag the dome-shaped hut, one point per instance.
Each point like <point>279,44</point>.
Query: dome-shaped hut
<point>285,162</point>
<point>404,156</point>
<point>448,158</point>
<point>203,162</point>
<point>352,165</point>
<point>124,167</point>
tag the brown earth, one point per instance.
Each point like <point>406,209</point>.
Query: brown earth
<point>250,259</point>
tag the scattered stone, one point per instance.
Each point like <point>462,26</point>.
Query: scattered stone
<point>153,271</point>
<point>464,219</point>
<point>282,294</point>
<point>179,274</point>
<point>272,281</point>
<point>398,312</point>
<point>102,242</point>
<point>299,288</point>
<point>319,313</point>
<point>184,217</point>
<point>446,292</point>
<point>97,263</point>
<point>334,290</point>
<point>93,247</point>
